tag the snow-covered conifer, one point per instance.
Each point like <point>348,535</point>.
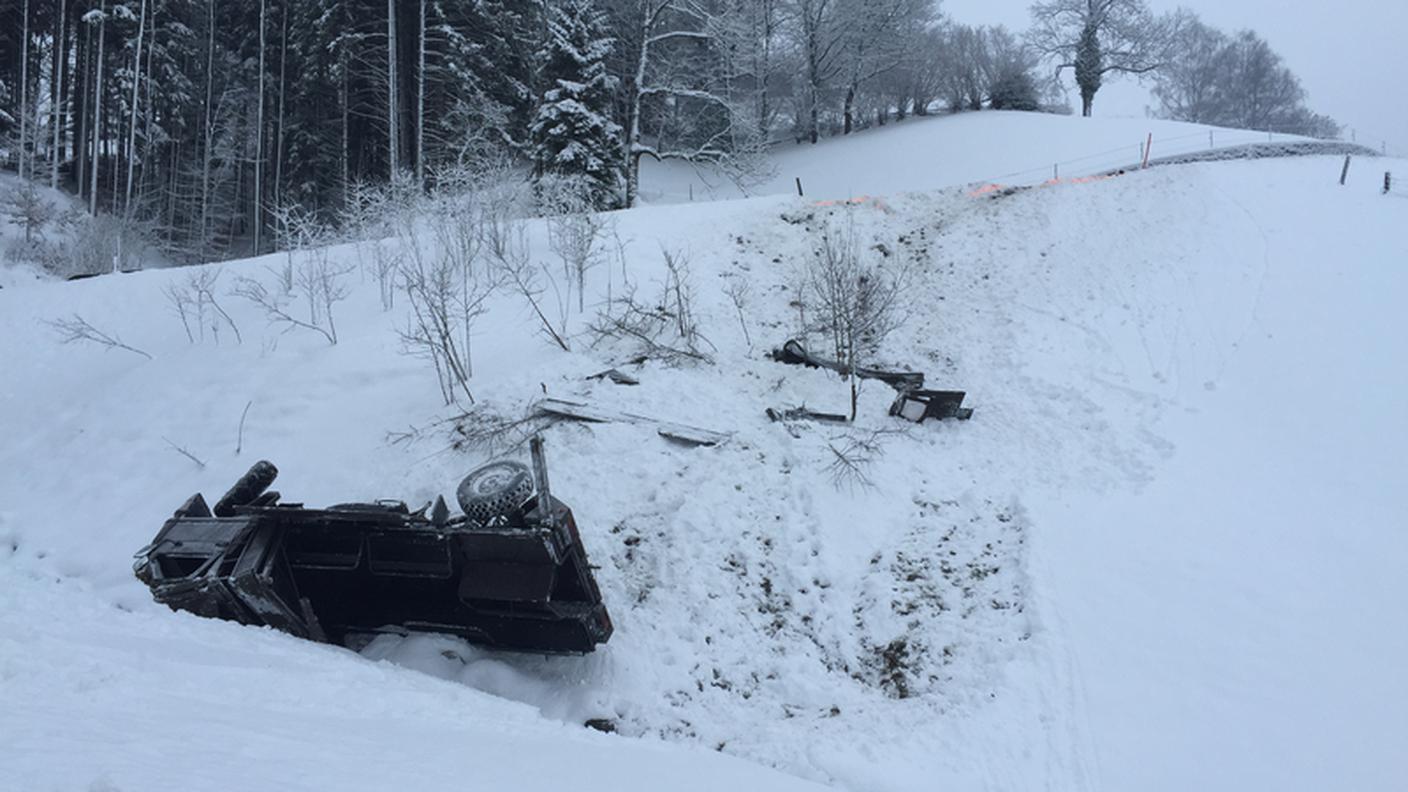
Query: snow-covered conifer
<point>573,136</point>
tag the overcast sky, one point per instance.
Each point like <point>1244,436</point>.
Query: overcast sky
<point>1351,55</point>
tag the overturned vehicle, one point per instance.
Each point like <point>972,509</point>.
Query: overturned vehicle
<point>509,573</point>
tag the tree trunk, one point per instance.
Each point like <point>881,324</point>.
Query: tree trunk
<point>149,164</point>
<point>202,232</point>
<point>80,106</point>
<point>259,140</point>
<point>342,96</point>
<point>132,124</point>
<point>60,55</point>
<point>420,101</point>
<point>97,114</point>
<point>392,105</point>
<point>24,85</point>
<point>813,92</point>
<point>279,138</point>
<point>633,118</point>
<point>848,110</point>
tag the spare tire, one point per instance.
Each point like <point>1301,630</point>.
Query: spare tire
<point>494,490</point>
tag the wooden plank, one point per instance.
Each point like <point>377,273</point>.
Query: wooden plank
<point>579,411</point>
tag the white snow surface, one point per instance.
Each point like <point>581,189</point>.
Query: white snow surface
<point>1166,553</point>
<point>924,153</point>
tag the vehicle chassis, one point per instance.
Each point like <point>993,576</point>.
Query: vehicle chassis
<point>520,581</point>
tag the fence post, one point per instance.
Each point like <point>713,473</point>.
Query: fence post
<point>1211,141</point>
<point>1344,174</point>
<point>799,187</point>
<point>1388,182</point>
<point>1056,172</point>
<point>1148,145</point>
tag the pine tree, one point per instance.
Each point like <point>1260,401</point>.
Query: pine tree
<point>573,135</point>
<point>1090,66</point>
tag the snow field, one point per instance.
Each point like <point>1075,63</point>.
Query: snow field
<point>1116,576</point>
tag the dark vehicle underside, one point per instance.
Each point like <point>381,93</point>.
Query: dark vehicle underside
<point>513,576</point>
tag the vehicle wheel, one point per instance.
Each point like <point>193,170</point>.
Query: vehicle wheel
<point>494,490</point>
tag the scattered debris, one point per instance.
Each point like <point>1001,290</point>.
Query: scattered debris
<point>913,402</point>
<point>615,375</point>
<point>604,725</point>
<point>580,411</point>
<point>921,405</point>
<point>793,353</point>
<point>804,414</point>
<point>514,575</point>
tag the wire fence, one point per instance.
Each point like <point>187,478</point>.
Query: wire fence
<point>1153,147</point>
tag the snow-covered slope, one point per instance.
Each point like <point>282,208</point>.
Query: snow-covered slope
<point>943,151</point>
<point>1166,552</point>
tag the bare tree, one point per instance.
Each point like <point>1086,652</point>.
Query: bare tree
<point>1188,89</point>
<point>1235,81</point>
<point>1099,37</point>
<point>505,241</point>
<point>318,280</point>
<point>740,295</point>
<point>874,44</point>
<point>197,306</point>
<point>857,301</point>
<point>575,230</point>
<point>447,286</point>
<point>703,125</point>
<point>822,34</point>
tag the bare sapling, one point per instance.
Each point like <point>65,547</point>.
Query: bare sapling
<point>739,294</point>
<point>576,230</point>
<point>386,263</point>
<point>448,285</point>
<point>857,299</point>
<point>309,274</point>
<point>666,328</point>
<point>198,308</point>
<point>506,244</point>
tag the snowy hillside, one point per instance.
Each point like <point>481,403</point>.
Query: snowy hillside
<point>944,151</point>
<point>1166,553</point>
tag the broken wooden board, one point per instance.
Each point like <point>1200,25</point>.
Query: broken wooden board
<point>804,414</point>
<point>581,411</point>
